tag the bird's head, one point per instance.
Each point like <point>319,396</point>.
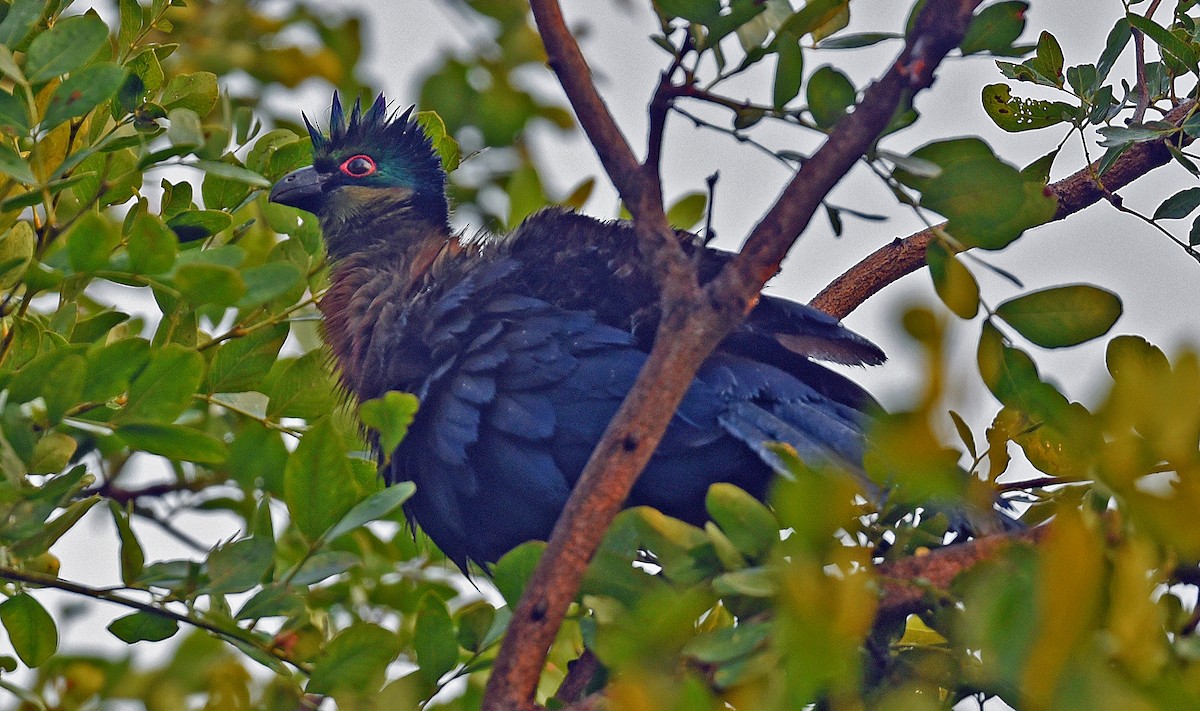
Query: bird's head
<point>371,167</point>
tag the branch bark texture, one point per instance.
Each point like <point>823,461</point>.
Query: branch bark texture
<point>903,595</point>
<point>1074,193</point>
<point>694,318</point>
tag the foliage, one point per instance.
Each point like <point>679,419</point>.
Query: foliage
<point>154,305</point>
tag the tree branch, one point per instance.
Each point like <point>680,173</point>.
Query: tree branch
<point>241,636</point>
<point>904,256</point>
<point>693,320</point>
<point>906,582</point>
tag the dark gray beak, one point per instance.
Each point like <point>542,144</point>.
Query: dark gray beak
<point>303,188</point>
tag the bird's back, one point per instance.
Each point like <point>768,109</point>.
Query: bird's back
<point>521,350</point>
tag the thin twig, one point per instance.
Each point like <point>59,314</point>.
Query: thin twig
<point>1139,53</point>
<point>904,256</point>
<point>48,581</point>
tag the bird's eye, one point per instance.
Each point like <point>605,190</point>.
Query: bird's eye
<point>359,166</point>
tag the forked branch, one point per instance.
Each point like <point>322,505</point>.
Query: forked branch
<point>694,319</point>
<point>1082,189</point>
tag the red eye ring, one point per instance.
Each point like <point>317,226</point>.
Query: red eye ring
<point>359,166</point>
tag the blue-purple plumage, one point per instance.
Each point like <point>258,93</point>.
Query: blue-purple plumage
<point>522,347</point>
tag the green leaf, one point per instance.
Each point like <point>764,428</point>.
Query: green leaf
<point>1119,136</point>
<point>726,644</point>
<point>241,363</point>
<point>31,630</point>
<point>812,18</point>
<point>64,47</point>
<point>323,565</point>
<point>512,572</point>
<point>197,92</point>
<point>14,117</point>
<point>744,520</point>
<point>143,626</point>
<point>239,566</point>
<point>272,601</point>
<point>1039,170</point>
<point>995,29</point>
<point>16,249</point>
<point>964,433</point>
<point>133,559</point>
<point>269,281</point>
<point>751,582</point>
<point>302,388</point>
<point>372,508</point>
<point>988,203</point>
<point>389,416</point>
<point>52,453</point>
<point>1118,39</point>
<point>740,12</point>
<point>258,457</point>
<point>354,660</point>
<point>687,211</point>
<point>1179,205</point>
<point>83,91</point>
<point>1062,316</point>
<point>954,283</point>
<point>830,95</point>
<point>1194,233</point>
<point>232,172</point>
<point>53,530</point>
<point>174,442</point>
<point>1013,113</point>
<point>111,367</point>
<point>185,130</point>
<point>91,242</point>
<point>22,16</point>
<point>62,388</point>
<point>702,11</point>
<point>315,504</point>
<point>192,225</point>
<point>433,639</point>
<point>1048,62</point>
<point>789,70</point>
<point>202,284</point>
<point>164,389</point>
<point>152,246</point>
<point>858,39</point>
<point>1170,44</point>
<point>15,166</point>
<point>221,193</point>
<point>1013,377</point>
<point>445,145</point>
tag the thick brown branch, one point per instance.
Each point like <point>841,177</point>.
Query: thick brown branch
<point>904,256</point>
<point>906,582</point>
<point>693,322</point>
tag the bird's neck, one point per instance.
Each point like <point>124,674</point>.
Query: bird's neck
<point>387,266</point>
<point>382,223</point>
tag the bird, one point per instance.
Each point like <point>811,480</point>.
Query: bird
<point>521,347</point>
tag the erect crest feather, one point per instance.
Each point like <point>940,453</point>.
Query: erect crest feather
<point>398,134</point>
<point>396,142</point>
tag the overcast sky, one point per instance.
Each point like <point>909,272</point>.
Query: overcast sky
<point>1100,246</point>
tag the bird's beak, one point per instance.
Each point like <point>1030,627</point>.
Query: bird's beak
<point>303,188</point>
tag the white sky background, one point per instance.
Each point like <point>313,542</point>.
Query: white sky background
<point>1156,281</point>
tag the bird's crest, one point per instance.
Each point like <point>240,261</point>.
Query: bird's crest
<point>396,142</point>
<point>399,134</point>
